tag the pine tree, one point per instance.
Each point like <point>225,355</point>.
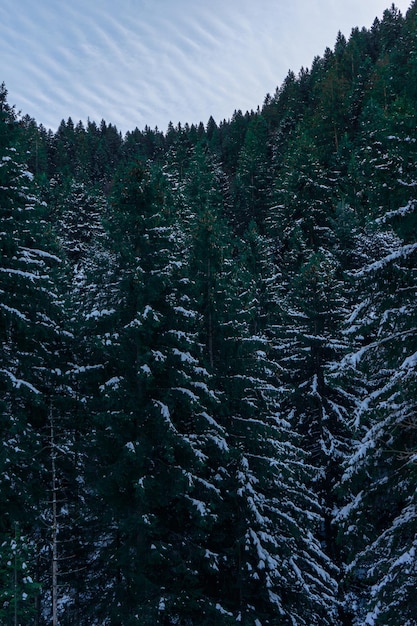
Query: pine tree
<point>18,588</point>
<point>311,303</point>
<point>380,573</point>
<point>157,431</point>
<point>32,361</point>
<point>304,201</point>
<point>255,577</point>
<point>252,182</point>
<point>379,540</point>
<point>275,568</point>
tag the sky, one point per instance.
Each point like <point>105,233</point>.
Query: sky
<point>148,62</point>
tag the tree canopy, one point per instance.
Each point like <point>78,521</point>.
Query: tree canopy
<point>208,364</point>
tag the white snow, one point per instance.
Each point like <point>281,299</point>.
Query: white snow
<point>410,361</point>
<point>219,441</point>
<point>222,610</point>
<point>42,253</point>
<point>184,356</point>
<point>211,421</point>
<point>29,275</point>
<point>14,311</point>
<point>402,252</point>
<point>149,311</point>
<point>112,383</point>
<point>165,413</point>
<point>408,208</point>
<point>163,408</point>
<point>18,382</point>
<point>199,505</point>
<point>185,312</point>
<point>187,392</point>
<point>96,314</point>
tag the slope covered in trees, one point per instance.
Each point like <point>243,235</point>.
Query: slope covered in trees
<point>208,363</point>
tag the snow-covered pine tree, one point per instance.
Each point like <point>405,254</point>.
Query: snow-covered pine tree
<point>269,566</point>
<point>156,429</point>
<point>380,540</point>
<point>275,565</point>
<point>310,307</point>
<point>33,354</point>
<point>89,292</point>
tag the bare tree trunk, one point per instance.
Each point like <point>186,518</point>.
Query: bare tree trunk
<point>15,577</point>
<point>54,527</point>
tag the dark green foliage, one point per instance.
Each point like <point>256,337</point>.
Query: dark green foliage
<point>33,359</point>
<point>381,468</point>
<point>157,431</point>
<point>18,588</point>
<point>207,371</point>
<point>252,182</point>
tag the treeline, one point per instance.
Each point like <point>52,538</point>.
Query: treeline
<point>208,379</point>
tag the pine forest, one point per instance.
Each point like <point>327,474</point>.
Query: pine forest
<point>208,371</point>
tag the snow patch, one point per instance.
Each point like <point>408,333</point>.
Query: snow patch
<point>18,382</point>
<point>96,314</point>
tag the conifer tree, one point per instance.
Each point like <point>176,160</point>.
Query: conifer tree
<point>157,431</point>
<point>379,540</point>
<point>310,307</point>
<point>275,566</point>
<point>33,358</point>
<point>255,576</point>
<point>253,182</point>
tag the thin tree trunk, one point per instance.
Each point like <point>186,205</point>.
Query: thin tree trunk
<point>15,577</point>
<point>54,528</point>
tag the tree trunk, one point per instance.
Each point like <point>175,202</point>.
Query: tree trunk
<point>54,527</point>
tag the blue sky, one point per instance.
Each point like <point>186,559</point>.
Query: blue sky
<point>148,62</point>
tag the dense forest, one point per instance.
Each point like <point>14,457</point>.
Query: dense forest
<point>208,381</point>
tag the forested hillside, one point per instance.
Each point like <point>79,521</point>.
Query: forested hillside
<point>208,381</point>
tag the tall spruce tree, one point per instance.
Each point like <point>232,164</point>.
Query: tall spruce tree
<point>252,182</point>
<point>310,307</point>
<point>268,565</point>
<point>380,540</point>
<point>157,431</point>
<point>33,360</point>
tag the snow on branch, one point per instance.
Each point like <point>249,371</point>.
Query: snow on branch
<point>402,252</point>
<point>18,382</point>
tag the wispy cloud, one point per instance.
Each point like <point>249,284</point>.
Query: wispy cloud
<point>151,61</point>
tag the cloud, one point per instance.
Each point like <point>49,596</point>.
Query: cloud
<point>148,62</point>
